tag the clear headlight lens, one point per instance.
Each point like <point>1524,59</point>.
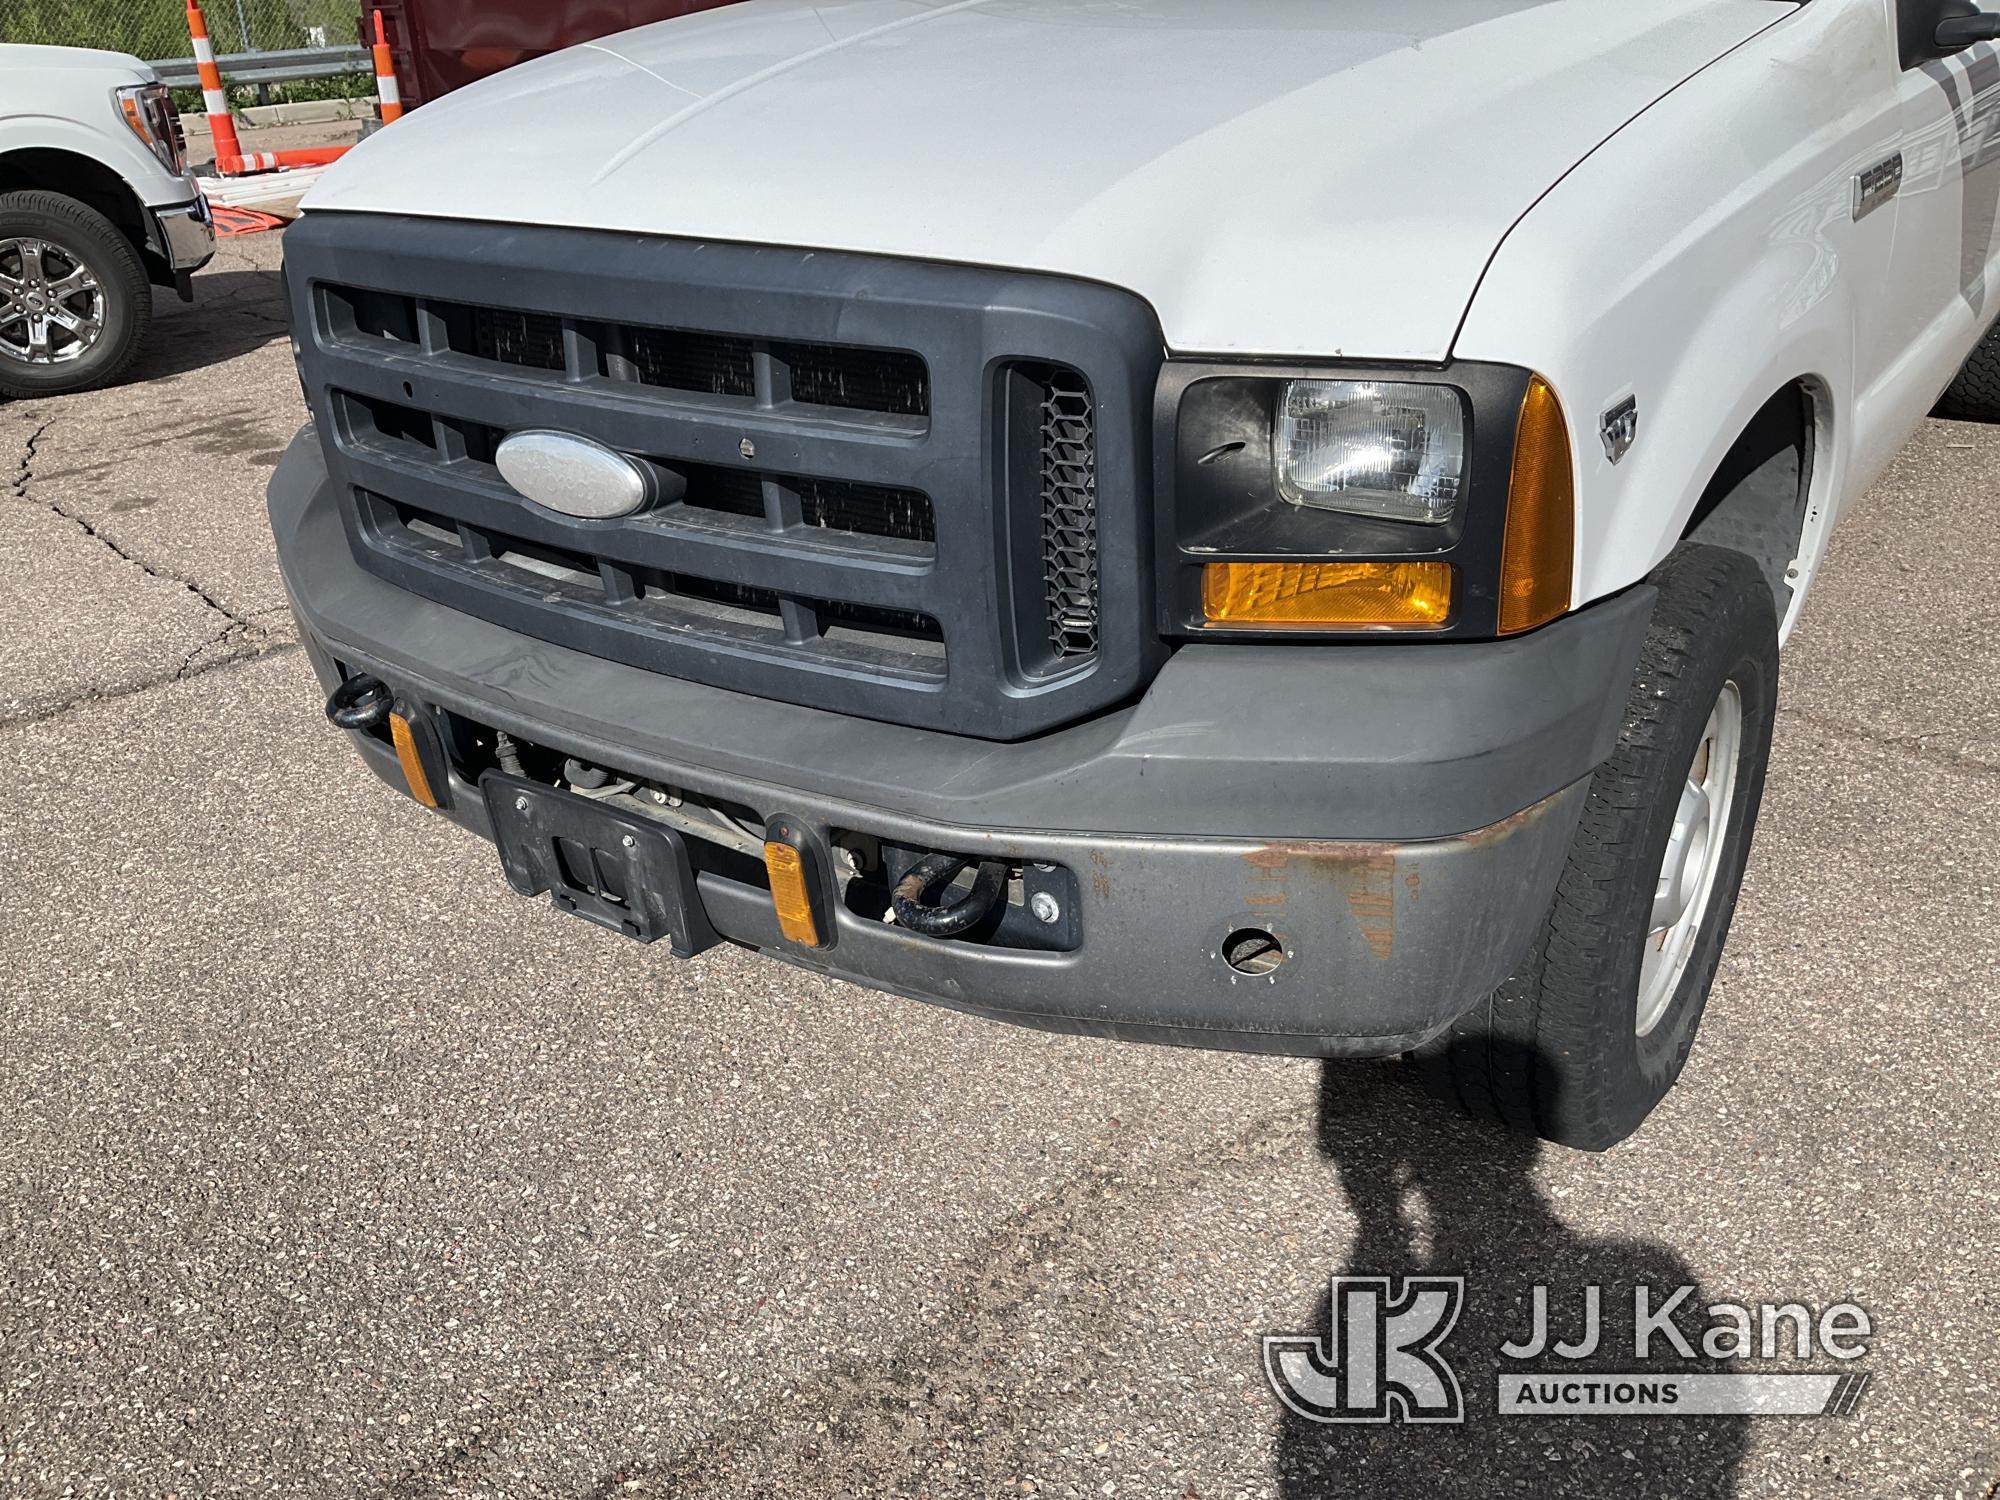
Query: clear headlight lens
<point>1372,448</point>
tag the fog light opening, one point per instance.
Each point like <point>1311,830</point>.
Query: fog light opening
<point>1253,951</point>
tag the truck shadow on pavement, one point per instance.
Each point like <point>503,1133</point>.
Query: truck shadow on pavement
<point>1436,1195</point>
<point>233,313</point>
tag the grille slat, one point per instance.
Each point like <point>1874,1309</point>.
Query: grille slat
<point>888,382</point>
<point>845,507</point>
<point>906,641</point>
<point>736,554</point>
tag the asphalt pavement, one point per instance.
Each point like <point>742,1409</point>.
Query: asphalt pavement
<point>330,1167</point>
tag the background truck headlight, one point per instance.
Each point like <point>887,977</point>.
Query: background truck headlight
<point>148,111</point>
<point>1371,448</point>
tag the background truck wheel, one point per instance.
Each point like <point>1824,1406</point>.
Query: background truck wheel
<point>1974,392</point>
<point>1593,1029</point>
<point>74,298</point>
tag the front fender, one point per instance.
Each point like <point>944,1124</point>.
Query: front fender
<point>111,145</point>
<point>1700,261</point>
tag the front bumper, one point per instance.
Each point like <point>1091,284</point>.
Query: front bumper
<point>184,235</point>
<point>1396,815</point>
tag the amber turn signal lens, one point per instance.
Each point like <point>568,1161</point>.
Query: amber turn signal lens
<point>411,762</point>
<point>790,893</point>
<point>1536,552</point>
<point>1327,595</point>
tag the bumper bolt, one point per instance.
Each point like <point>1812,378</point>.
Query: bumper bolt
<point>1045,907</point>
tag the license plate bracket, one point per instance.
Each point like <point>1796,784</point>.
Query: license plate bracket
<point>620,870</point>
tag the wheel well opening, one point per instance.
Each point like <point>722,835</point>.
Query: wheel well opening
<point>80,177</point>
<point>1756,501</point>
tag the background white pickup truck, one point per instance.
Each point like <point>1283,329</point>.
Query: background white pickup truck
<point>1258,525</point>
<point>96,207</point>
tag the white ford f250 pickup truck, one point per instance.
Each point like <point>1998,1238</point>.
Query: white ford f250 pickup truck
<point>1265,524</point>
<point>96,207</point>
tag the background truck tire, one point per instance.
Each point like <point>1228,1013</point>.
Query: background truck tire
<point>120,304</point>
<point>1974,392</point>
<point>1559,1049</point>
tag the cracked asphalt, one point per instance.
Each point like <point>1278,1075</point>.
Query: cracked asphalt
<point>328,1167</point>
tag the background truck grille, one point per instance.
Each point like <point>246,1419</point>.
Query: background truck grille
<point>894,489</point>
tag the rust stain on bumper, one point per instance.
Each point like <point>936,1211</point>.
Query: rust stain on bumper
<point>1365,872</point>
<point>1100,875</point>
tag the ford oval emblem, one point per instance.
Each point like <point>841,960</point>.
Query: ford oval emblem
<point>573,475</point>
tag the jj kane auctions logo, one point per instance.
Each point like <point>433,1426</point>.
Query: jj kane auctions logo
<point>1382,1358</point>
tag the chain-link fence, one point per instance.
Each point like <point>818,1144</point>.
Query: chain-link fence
<point>158,28</point>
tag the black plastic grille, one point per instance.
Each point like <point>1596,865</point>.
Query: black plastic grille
<point>1069,511</point>
<point>893,489</point>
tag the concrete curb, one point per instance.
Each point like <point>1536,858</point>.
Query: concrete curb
<point>304,112</point>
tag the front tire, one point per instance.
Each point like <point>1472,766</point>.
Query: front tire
<point>1584,1039</point>
<point>74,298</point>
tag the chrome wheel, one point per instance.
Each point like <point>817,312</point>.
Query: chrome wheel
<point>51,306</point>
<point>1694,856</point>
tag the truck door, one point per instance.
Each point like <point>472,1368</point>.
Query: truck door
<point>1943,289</point>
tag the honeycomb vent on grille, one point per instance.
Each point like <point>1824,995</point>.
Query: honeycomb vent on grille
<point>1069,510</point>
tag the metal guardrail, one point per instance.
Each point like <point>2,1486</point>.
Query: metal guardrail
<point>267,67</point>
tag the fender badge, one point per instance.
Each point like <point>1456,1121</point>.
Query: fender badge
<point>1619,427</point>
<point>1877,185</point>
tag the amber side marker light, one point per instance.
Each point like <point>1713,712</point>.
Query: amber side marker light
<point>1539,544</point>
<point>410,760</point>
<point>1327,595</point>
<point>791,893</point>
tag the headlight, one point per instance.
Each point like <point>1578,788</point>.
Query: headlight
<point>1342,498</point>
<point>148,109</point>
<point>1371,448</point>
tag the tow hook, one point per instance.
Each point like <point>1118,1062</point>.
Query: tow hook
<point>360,702</point>
<point>929,875</point>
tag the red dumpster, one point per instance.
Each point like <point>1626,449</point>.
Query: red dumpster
<point>440,45</point>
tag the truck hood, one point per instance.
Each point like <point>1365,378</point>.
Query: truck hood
<point>31,58</point>
<point>1291,177</point>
